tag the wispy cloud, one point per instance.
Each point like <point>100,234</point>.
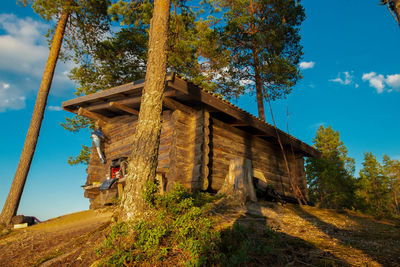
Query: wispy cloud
<point>10,97</point>
<point>23,54</point>
<point>54,108</point>
<point>344,78</point>
<point>315,126</point>
<point>307,65</point>
<point>380,83</point>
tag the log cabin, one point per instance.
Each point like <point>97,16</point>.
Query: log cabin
<point>201,135</point>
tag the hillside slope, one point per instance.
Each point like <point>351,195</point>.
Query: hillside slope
<point>304,236</point>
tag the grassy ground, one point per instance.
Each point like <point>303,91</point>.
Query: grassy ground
<point>56,241</point>
<point>320,237</point>
<point>303,236</point>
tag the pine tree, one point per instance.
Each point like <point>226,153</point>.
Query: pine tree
<point>373,186</point>
<point>121,56</point>
<point>143,162</point>
<point>264,43</point>
<point>391,169</point>
<point>17,187</point>
<point>61,11</point>
<point>330,178</point>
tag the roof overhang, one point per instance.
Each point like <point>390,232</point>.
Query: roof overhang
<point>181,92</point>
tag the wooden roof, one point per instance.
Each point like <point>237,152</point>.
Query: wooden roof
<point>180,91</point>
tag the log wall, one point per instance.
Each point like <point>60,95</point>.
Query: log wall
<point>119,133</point>
<point>229,142</point>
<point>186,153</point>
<point>196,150</point>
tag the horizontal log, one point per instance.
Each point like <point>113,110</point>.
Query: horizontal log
<point>226,131</point>
<point>220,152</point>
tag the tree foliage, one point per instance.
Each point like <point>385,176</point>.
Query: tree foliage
<point>391,169</point>
<point>330,178</point>
<point>263,39</point>
<point>332,184</point>
<point>118,54</point>
<point>378,186</point>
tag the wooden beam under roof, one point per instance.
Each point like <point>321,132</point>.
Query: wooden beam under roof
<point>70,110</point>
<point>124,108</point>
<point>237,124</point>
<point>92,115</point>
<point>172,104</point>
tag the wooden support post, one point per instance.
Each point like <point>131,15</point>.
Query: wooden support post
<point>206,151</point>
<point>161,179</point>
<point>120,190</point>
<point>174,105</point>
<point>93,115</point>
<point>124,108</point>
<point>238,183</point>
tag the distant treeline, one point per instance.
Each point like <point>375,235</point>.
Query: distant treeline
<point>332,181</point>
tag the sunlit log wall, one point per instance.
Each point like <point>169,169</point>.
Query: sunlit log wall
<point>195,149</point>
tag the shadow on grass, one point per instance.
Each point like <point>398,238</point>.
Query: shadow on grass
<point>254,240</point>
<point>370,240</point>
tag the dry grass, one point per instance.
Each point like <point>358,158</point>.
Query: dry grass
<point>333,238</point>
<point>305,236</point>
<point>54,239</point>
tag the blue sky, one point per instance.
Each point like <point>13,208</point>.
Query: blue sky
<point>351,81</point>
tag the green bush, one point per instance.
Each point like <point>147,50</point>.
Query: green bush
<point>179,227</point>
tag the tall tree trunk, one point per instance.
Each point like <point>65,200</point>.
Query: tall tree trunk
<point>397,9</point>
<point>396,201</point>
<point>259,90</point>
<point>143,163</point>
<point>375,192</point>
<point>14,196</point>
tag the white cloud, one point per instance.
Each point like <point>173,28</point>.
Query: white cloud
<point>23,55</point>
<point>54,108</point>
<point>344,78</point>
<point>23,48</point>
<point>10,97</point>
<point>393,80</point>
<point>379,82</point>
<point>307,65</point>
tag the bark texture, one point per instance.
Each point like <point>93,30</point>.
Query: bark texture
<point>259,89</point>
<point>143,161</point>
<point>11,205</point>
<point>239,182</point>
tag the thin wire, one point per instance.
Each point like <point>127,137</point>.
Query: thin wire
<point>283,152</point>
